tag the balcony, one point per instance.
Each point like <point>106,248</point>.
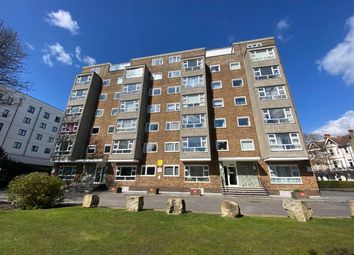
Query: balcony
<point>267,76</point>
<point>285,147</point>
<point>192,65</point>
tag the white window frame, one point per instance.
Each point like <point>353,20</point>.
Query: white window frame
<point>92,146</point>
<point>156,76</point>
<point>110,126</point>
<point>243,117</point>
<point>153,108</point>
<point>146,147</point>
<point>157,61</point>
<point>95,70</point>
<point>148,127</point>
<point>201,97</point>
<point>116,110</point>
<point>247,140</point>
<point>123,107</point>
<point>187,67</point>
<point>115,97</point>
<point>174,74</point>
<point>235,66</point>
<point>104,148</point>
<point>155,92</point>
<point>227,145</point>
<point>99,129</point>
<point>106,82</point>
<point>131,128</point>
<point>270,54</point>
<point>75,96</point>
<point>240,104</point>
<point>68,110</point>
<point>79,78</point>
<point>128,150</point>
<point>294,146</point>
<point>293,179</point>
<point>134,73</point>
<point>171,123</point>
<point>281,93</point>
<point>275,73</point>
<point>237,79</point>
<point>119,80</point>
<point>65,125</point>
<point>205,178</point>
<point>174,168</point>
<point>143,171</point>
<point>203,140</point>
<point>175,146</point>
<point>176,107</point>
<point>97,111</point>
<point>177,90</point>
<point>120,177</point>
<point>187,125</point>
<point>289,118</point>
<point>67,177</point>
<point>174,59</point>
<point>224,119</point>
<point>126,91</point>
<point>213,66</point>
<point>220,84</point>
<point>186,83</point>
<point>104,95</point>
<point>218,99</point>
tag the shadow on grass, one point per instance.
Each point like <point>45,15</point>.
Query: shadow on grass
<point>334,251</point>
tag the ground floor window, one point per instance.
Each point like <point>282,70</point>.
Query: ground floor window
<point>148,170</point>
<point>126,173</point>
<point>67,173</point>
<point>196,173</point>
<point>172,170</point>
<point>284,174</point>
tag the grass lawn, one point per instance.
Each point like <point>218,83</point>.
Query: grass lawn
<point>77,230</point>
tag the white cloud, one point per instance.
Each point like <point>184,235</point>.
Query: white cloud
<point>339,126</point>
<point>30,46</point>
<point>340,59</point>
<point>85,59</point>
<point>78,53</point>
<point>64,20</point>
<point>282,28</point>
<point>57,52</point>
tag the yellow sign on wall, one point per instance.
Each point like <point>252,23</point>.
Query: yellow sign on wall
<point>159,162</point>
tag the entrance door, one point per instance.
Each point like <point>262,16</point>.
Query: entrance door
<point>230,175</point>
<point>99,175</point>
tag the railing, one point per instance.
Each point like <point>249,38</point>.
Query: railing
<point>272,97</point>
<point>128,109</point>
<point>194,125</point>
<point>192,68</point>
<point>194,149</point>
<point>193,104</point>
<point>279,120</point>
<point>263,58</point>
<point>268,76</point>
<point>285,180</point>
<point>194,85</point>
<point>285,147</point>
<point>129,92</point>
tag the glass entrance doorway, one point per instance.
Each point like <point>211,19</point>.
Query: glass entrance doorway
<point>99,175</point>
<point>230,175</point>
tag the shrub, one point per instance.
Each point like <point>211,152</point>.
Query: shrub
<point>36,190</point>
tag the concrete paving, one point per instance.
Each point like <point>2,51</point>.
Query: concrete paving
<point>330,204</point>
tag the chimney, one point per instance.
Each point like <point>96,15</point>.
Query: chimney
<point>327,136</point>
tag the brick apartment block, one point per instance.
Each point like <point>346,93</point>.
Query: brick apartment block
<point>220,120</point>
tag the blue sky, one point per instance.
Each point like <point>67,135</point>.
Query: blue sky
<point>310,34</point>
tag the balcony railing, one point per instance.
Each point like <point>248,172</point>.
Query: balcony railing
<point>285,180</point>
<point>285,147</point>
<point>268,76</point>
<point>279,120</point>
<point>194,149</point>
<point>194,125</point>
<point>273,97</point>
<point>260,58</point>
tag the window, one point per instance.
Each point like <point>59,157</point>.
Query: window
<point>284,141</point>
<point>34,148</point>
<point>235,66</point>
<point>195,144</point>
<point>219,102</point>
<point>247,145</point>
<point>243,122</point>
<point>214,68</point>
<point>123,146</point>
<point>254,45</point>
<point>148,170</point>
<point>216,85</point>
<point>269,72</point>
<point>132,88</point>
<point>272,93</point>
<point>46,115</point>
<point>174,59</point>
<point>193,121</point>
<point>153,108</point>
<point>150,147</point>
<point>5,113</point>
<point>156,76</point>
<point>39,136</point>
<point>1,125</point>
<point>171,170</point>
<point>74,110</point>
<point>277,115</point>
<point>46,150</point>
<point>22,132</point>
<point>54,129</point>
<point>129,106</point>
<point>91,149</point>
<point>193,64</point>
<point>126,173</point>
<point>95,70</point>
<point>172,107</point>
<point>67,172</point>
<point>173,89</point>
<point>69,127</point>
<point>106,82</point>
<point>119,80</point>
<point>26,120</point>
<point>95,130</point>
<point>157,61</point>
<point>99,112</point>
<point>31,109</point>
<point>196,173</point>
<point>151,127</point>
<point>102,97</point>
<point>193,81</point>
<point>126,125</point>
<point>264,54</point>
<point>171,146</point>
<point>57,119</point>
<point>107,149</point>
<point>110,129</point>
<point>237,83</point>
<point>9,101</point>
<point>83,79</point>
<point>155,92</point>
<point>284,174</point>
<point>220,123</point>
<point>120,66</point>
<point>50,139</point>
<point>173,74</point>
<point>172,125</point>
<point>42,125</point>
<point>134,73</point>
<point>222,145</point>
<point>114,111</point>
<point>63,148</point>
<point>116,95</point>
<point>240,101</point>
<point>193,100</point>
<point>17,145</point>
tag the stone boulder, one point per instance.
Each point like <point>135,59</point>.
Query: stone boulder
<point>351,205</point>
<point>90,201</point>
<point>176,206</point>
<point>230,209</point>
<point>298,209</point>
<point>135,203</point>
